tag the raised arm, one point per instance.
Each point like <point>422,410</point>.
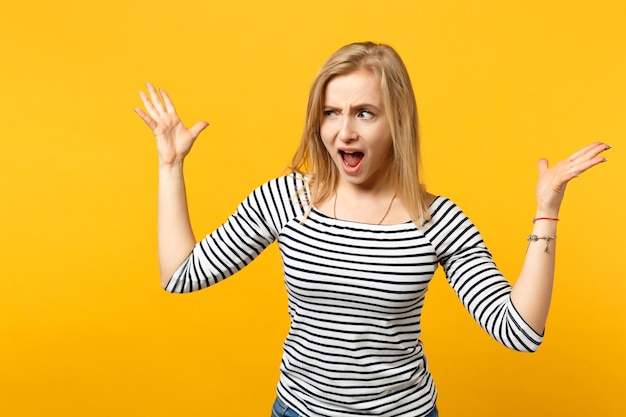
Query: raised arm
<point>174,141</point>
<point>532,291</point>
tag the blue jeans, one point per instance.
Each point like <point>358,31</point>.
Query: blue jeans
<point>279,409</point>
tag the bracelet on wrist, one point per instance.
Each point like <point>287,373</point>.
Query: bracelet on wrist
<point>534,238</point>
<point>545,218</point>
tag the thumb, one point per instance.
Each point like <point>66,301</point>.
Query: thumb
<point>198,128</point>
<point>542,164</point>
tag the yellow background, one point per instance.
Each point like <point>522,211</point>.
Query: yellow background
<point>85,329</point>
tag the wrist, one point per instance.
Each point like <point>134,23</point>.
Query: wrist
<point>544,224</point>
<point>176,165</point>
<point>552,219</point>
<point>547,213</point>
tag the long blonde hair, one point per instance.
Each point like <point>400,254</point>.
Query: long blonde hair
<point>313,160</point>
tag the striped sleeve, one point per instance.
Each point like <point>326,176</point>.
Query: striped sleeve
<point>254,226</point>
<point>475,278</point>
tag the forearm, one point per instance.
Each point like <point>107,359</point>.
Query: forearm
<point>175,235</point>
<point>532,291</point>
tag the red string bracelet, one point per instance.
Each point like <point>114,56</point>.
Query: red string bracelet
<point>545,218</point>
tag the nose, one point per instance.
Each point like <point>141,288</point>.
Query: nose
<point>347,131</point>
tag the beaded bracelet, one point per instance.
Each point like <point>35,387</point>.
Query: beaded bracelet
<point>534,238</point>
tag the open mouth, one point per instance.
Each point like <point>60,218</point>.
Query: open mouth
<point>351,159</point>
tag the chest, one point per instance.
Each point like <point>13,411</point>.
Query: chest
<point>383,267</point>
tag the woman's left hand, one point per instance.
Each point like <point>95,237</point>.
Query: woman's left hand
<point>552,181</point>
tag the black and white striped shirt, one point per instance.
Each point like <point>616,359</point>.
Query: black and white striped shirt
<point>355,297</point>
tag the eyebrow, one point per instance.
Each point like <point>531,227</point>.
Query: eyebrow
<point>357,106</point>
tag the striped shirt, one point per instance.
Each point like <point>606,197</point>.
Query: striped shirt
<point>355,297</point>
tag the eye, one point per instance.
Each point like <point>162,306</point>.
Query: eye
<point>365,114</point>
<point>330,113</point>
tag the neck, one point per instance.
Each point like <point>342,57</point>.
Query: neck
<point>367,210</point>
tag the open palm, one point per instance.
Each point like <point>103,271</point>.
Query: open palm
<point>552,181</point>
<point>173,139</point>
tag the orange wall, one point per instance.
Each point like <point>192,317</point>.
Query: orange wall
<point>85,328</point>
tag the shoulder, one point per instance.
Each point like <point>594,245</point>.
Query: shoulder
<point>451,231</point>
<point>437,203</point>
<point>286,185</point>
<point>444,212</point>
<point>290,179</point>
<point>288,191</point>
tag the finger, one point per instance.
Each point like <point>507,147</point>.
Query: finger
<point>580,152</point>
<point>148,105</point>
<point>147,119</point>
<point>588,157</point>
<point>196,129</point>
<point>156,100</point>
<point>542,164</point>
<point>167,101</point>
<point>589,151</point>
<point>584,165</point>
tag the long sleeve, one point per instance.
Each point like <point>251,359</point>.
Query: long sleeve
<point>253,227</point>
<point>475,278</point>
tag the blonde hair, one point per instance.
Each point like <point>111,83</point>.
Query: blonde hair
<point>313,160</point>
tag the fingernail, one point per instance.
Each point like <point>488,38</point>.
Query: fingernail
<point>608,147</point>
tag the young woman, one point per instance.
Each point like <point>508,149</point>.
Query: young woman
<point>360,239</point>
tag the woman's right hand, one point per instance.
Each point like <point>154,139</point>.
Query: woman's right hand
<point>173,139</point>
